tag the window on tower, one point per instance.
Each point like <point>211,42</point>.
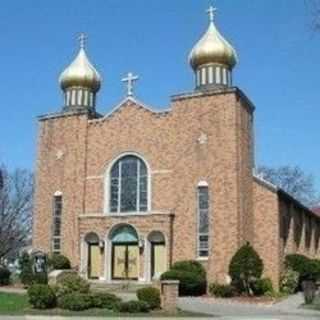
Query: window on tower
<point>129,185</point>
<point>203,222</point>
<point>56,225</point>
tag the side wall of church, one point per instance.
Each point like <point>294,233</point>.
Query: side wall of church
<point>60,168</point>
<point>267,230</point>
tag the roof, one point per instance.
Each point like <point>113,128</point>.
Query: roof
<point>316,210</point>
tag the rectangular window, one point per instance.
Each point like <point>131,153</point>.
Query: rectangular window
<point>203,222</point>
<point>56,224</point>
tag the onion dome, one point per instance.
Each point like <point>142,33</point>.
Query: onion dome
<point>80,80</point>
<point>213,58</point>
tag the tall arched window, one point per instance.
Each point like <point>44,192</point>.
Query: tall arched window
<point>129,185</point>
<point>203,220</point>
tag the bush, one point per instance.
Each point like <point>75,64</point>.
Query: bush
<point>151,296</point>
<point>191,284</point>
<point>41,296</point>
<point>245,268</point>
<point>105,301</point>
<point>59,262</point>
<point>289,281</point>
<point>134,307</point>
<point>190,266</point>
<point>75,301</point>
<point>72,283</point>
<point>40,278</point>
<point>26,274</point>
<point>4,276</point>
<point>262,287</point>
<point>222,291</point>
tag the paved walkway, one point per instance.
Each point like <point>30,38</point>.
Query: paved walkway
<point>287,309</point>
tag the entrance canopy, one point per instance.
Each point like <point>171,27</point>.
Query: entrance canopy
<point>124,234</point>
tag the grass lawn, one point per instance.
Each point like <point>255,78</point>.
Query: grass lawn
<point>15,304</point>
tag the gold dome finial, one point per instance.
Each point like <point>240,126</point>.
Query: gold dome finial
<point>211,54</point>
<point>81,73</point>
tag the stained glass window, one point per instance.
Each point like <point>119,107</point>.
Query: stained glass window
<point>56,227</point>
<point>203,222</point>
<point>129,185</point>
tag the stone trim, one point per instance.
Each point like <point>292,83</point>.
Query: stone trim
<point>128,215</point>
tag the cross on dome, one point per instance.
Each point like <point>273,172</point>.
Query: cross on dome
<point>82,40</point>
<point>211,12</point>
<point>130,80</point>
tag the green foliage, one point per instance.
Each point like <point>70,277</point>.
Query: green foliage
<point>289,281</point>
<point>222,291</point>
<point>4,276</point>
<point>134,307</point>
<point>71,283</point>
<point>105,301</point>
<point>40,278</point>
<point>151,296</point>
<point>75,301</point>
<point>245,268</point>
<point>59,262</point>
<point>262,287</point>
<point>26,274</point>
<point>191,284</point>
<point>41,296</point>
<point>190,266</point>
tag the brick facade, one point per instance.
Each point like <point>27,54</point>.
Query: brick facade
<point>75,153</point>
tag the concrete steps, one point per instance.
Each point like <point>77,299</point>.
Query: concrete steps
<point>117,287</point>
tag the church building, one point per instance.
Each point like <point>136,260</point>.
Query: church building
<point>126,194</point>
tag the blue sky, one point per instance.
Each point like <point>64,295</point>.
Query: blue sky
<point>279,65</point>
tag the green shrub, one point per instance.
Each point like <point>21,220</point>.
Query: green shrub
<point>190,266</point>
<point>289,281</point>
<point>75,301</point>
<point>296,262</point>
<point>72,283</point>
<point>40,278</point>
<point>151,296</point>
<point>59,262</point>
<point>41,296</point>
<point>245,268</point>
<point>26,274</point>
<point>134,307</point>
<point>191,284</point>
<point>4,276</point>
<point>262,287</point>
<point>222,291</point>
<point>105,301</point>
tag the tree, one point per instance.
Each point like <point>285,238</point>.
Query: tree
<point>16,195</point>
<point>292,180</point>
<point>313,8</point>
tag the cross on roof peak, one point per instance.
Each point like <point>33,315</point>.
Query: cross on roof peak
<point>130,80</point>
<point>212,12</point>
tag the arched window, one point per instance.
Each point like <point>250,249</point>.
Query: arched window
<point>129,185</point>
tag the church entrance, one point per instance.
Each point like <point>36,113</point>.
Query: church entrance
<point>158,254</point>
<point>125,254</point>
<point>94,256</point>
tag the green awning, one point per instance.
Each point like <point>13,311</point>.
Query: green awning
<point>124,234</point>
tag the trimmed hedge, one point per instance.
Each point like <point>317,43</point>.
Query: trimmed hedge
<point>245,268</point>
<point>41,296</point>
<point>4,276</point>
<point>72,283</point>
<point>59,262</point>
<point>190,266</point>
<point>151,296</point>
<point>262,287</point>
<point>75,301</point>
<point>134,307</point>
<point>105,301</point>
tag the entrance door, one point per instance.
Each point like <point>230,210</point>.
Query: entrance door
<point>94,261</point>
<point>125,262</point>
<point>158,260</point>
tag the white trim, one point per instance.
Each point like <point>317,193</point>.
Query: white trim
<point>94,177</point>
<point>203,183</point>
<point>126,214</point>
<point>135,101</point>
<point>106,204</point>
<point>161,171</point>
<point>57,194</point>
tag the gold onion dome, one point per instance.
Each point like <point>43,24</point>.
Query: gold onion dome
<point>212,48</point>
<point>81,73</point>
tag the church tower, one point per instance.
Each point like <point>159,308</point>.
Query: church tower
<point>213,58</point>
<point>80,82</point>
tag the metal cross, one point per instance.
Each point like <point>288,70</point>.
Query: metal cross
<point>130,79</point>
<point>211,12</point>
<point>82,39</point>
